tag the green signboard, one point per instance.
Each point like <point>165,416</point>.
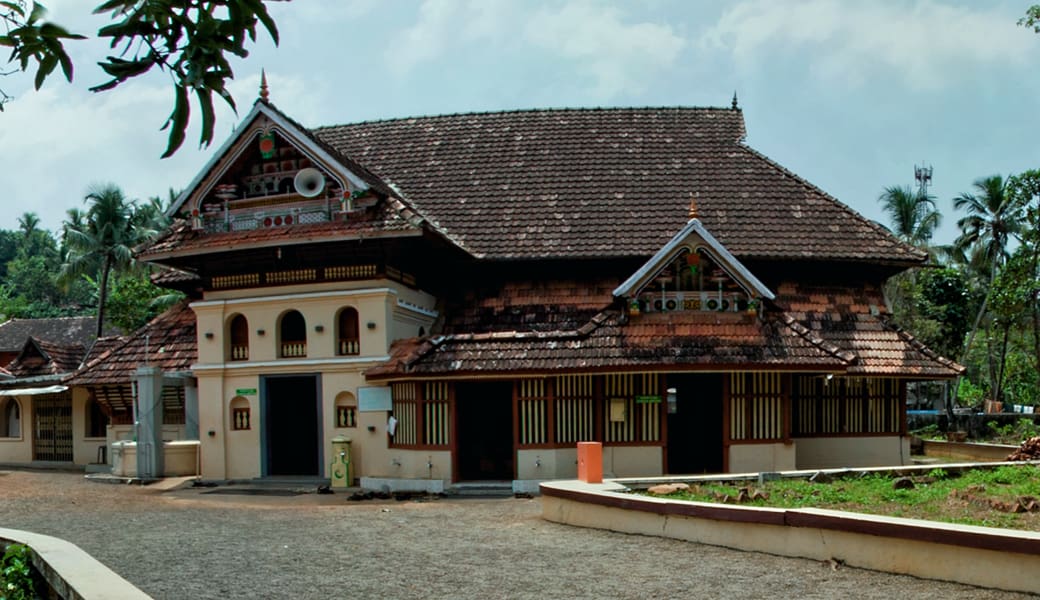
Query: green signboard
<point>245,392</point>
<point>648,399</point>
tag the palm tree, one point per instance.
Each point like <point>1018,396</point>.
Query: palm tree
<point>912,214</point>
<point>29,222</point>
<point>104,239</point>
<point>994,218</point>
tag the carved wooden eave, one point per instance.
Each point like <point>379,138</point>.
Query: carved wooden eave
<point>263,118</point>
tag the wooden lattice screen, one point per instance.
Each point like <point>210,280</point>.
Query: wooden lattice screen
<point>756,406</point>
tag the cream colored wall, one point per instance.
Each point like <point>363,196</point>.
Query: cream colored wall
<point>754,458</point>
<point>84,449</point>
<point>632,461</point>
<point>413,464</point>
<point>833,453</point>
<point>556,463</point>
<point>395,311</point>
<point>19,449</point>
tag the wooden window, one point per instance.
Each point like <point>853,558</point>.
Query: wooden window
<point>533,411</point>
<point>10,418</point>
<point>348,335</point>
<point>632,408</point>
<point>96,420</point>
<point>423,414</point>
<point>756,405</point>
<point>573,409</point>
<point>843,406</point>
<point>346,410</point>
<point>238,333</point>
<point>240,414</point>
<point>293,335</point>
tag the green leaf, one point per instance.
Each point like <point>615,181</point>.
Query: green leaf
<point>178,121</point>
<point>208,118</point>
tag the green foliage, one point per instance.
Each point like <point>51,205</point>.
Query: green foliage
<point>944,307</point>
<point>1013,433</point>
<point>190,40</point>
<point>1032,18</point>
<point>969,393</point>
<point>132,301</point>
<point>17,577</point>
<point>929,432</point>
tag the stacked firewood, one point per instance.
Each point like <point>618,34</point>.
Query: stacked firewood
<point>1029,450</point>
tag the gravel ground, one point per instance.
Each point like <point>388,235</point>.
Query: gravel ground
<point>188,544</point>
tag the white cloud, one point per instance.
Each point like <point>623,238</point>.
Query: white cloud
<point>925,43</point>
<point>601,41</point>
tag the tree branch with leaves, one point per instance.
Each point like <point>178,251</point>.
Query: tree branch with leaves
<point>192,40</point>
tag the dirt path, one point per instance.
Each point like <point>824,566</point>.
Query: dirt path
<point>188,544</point>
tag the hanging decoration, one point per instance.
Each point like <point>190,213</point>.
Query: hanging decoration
<point>267,149</point>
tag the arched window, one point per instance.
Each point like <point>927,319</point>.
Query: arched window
<point>346,410</point>
<point>97,421</point>
<point>238,333</point>
<point>240,414</point>
<point>349,339</point>
<point>10,418</point>
<point>293,334</point>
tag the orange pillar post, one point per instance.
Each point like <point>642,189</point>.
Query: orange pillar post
<point>590,462</point>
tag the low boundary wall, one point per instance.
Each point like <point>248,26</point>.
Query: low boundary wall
<point>72,573</point>
<point>981,556</point>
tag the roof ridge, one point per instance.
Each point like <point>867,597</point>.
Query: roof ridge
<point>841,205</point>
<point>514,111</point>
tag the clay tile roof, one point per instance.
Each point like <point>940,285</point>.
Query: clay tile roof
<point>692,340</point>
<point>41,358</point>
<point>63,330</point>
<point>606,182</point>
<point>167,341</point>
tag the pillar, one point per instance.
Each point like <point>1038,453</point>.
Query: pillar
<point>149,409</point>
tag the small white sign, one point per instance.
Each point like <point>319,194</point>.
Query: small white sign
<point>372,399</point>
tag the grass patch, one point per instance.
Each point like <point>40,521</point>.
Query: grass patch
<point>977,497</point>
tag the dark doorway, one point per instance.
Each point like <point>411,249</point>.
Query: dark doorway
<point>695,424</point>
<point>485,430</point>
<point>291,425</point>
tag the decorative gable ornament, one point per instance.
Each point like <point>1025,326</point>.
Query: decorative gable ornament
<point>267,145</point>
<point>693,271</point>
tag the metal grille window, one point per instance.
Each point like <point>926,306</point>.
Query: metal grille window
<point>573,409</point>
<point>423,414</point>
<point>533,411</point>
<point>838,406</point>
<point>756,406</point>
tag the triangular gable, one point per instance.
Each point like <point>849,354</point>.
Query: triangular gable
<point>694,239</point>
<point>265,120</point>
<point>32,349</point>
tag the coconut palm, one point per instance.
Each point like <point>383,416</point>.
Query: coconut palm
<point>994,218</point>
<point>104,239</point>
<point>912,213</point>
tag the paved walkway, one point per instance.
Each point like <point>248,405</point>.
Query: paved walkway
<point>190,544</point>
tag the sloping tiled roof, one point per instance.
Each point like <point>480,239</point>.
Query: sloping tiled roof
<point>63,330</point>
<point>167,341</point>
<point>606,182</point>
<point>40,358</point>
<point>692,340</point>
<point>563,326</point>
<point>855,320</point>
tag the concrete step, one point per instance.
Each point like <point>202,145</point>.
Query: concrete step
<point>482,489</point>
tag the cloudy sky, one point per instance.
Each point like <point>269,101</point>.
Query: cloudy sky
<point>848,95</point>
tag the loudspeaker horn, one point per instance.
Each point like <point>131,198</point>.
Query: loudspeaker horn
<point>309,182</point>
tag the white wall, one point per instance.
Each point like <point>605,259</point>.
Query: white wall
<point>754,458</point>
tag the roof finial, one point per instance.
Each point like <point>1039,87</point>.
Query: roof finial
<point>265,94</point>
<point>693,205</point>
<point>734,105</point>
